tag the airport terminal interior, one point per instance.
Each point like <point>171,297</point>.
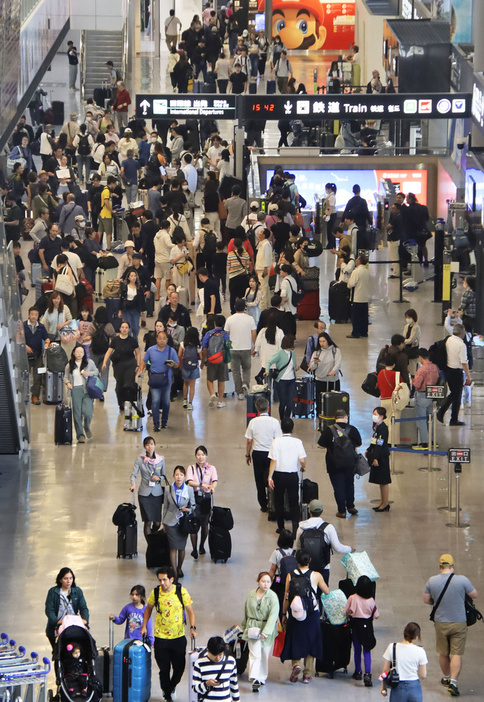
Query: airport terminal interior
<point>57,502</point>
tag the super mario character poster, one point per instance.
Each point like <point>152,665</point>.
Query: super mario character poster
<point>313,24</point>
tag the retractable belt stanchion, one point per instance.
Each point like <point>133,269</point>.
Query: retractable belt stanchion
<point>392,457</point>
<point>456,458</point>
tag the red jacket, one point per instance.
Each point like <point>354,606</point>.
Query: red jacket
<point>122,98</point>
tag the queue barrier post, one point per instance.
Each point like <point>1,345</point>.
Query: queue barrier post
<point>457,523</point>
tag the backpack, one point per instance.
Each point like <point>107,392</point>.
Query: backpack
<point>178,593</point>
<point>125,515</point>
<point>301,592</point>
<point>215,346</point>
<point>83,148</point>
<point>210,243</point>
<point>190,358</point>
<point>55,358</point>
<point>344,452</point>
<point>296,295</point>
<point>118,74</point>
<point>313,541</point>
<point>99,341</point>
<point>287,565</point>
<point>438,353</point>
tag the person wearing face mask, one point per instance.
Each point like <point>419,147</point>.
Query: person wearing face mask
<point>301,261</point>
<point>77,371</point>
<point>378,457</point>
<point>202,477</point>
<point>79,231</point>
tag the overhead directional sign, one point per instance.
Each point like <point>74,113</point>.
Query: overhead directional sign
<point>357,106</point>
<point>186,106</point>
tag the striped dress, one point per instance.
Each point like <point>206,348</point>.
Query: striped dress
<point>205,669</point>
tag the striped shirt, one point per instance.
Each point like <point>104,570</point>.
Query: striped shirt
<point>237,264</point>
<point>204,669</point>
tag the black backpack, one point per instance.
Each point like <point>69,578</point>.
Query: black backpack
<point>178,592</point>
<point>297,294</point>
<point>99,341</point>
<point>125,515</point>
<point>210,243</point>
<point>313,541</point>
<point>83,148</point>
<point>438,353</point>
<point>344,452</point>
<point>300,585</point>
<point>287,565</point>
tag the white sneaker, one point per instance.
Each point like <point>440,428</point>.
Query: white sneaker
<point>245,389</point>
<point>468,405</point>
<point>189,406</point>
<point>185,403</point>
<point>220,404</point>
<point>213,400</point>
<point>241,396</point>
<point>173,694</point>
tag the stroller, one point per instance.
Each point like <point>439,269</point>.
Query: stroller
<point>76,634</point>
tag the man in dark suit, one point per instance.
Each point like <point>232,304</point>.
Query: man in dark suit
<point>275,313</point>
<point>148,232</point>
<point>359,209</point>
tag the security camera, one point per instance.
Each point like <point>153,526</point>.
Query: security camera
<point>461,142</point>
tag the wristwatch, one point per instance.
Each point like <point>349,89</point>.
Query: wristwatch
<point>193,627</point>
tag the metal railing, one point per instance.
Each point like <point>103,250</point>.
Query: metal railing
<point>82,61</point>
<point>26,7</point>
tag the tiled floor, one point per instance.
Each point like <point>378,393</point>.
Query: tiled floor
<point>56,510</point>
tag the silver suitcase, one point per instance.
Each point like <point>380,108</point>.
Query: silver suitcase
<point>53,388</point>
<point>102,277</point>
<point>132,419</point>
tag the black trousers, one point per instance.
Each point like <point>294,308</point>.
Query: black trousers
<point>170,654</point>
<point>455,381</point>
<point>343,482</point>
<point>261,464</point>
<point>125,375</point>
<point>359,318</point>
<point>286,482</point>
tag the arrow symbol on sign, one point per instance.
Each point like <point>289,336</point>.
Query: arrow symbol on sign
<point>288,107</point>
<point>144,106</point>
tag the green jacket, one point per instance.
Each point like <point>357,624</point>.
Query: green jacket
<point>279,359</point>
<point>263,614</point>
<point>52,607</point>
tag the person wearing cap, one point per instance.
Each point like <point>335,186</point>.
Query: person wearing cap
<point>316,521</point>
<point>126,259</point>
<point>251,216</point>
<point>79,230</point>
<point>449,617</point>
<point>120,105</point>
<point>70,128</point>
<point>67,219</point>
<point>341,475</point>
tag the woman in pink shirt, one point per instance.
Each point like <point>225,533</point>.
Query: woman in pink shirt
<point>361,608</point>
<point>202,477</point>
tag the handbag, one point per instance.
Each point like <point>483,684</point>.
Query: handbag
<point>472,613</point>
<point>185,267</point>
<point>158,380</point>
<point>253,632</point>
<point>222,210</point>
<point>369,385</point>
<point>95,387</point>
<point>401,394</point>
<point>393,677</point>
<point>362,466</point>
<point>279,644</point>
<point>63,283</point>
<point>189,523</point>
<point>69,333</point>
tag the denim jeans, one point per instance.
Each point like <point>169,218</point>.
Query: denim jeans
<point>160,399</point>
<point>286,390</point>
<point>131,193</point>
<point>83,167</point>
<point>423,407</point>
<point>132,317</point>
<point>343,483</point>
<point>407,691</point>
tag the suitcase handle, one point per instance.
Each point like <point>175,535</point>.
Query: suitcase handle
<point>111,635</point>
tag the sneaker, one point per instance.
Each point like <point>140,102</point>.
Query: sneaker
<point>306,679</point>
<point>245,389</point>
<point>255,686</point>
<point>189,406</point>
<point>220,404</point>
<point>356,675</point>
<point>185,404</point>
<point>445,681</point>
<point>149,413</point>
<point>89,433</point>
<point>173,694</point>
<point>81,439</point>
<point>367,680</point>
<point>35,400</point>
<point>453,689</point>
<point>241,396</point>
<point>212,401</point>
<point>294,677</point>
<point>457,424</point>
<point>420,447</point>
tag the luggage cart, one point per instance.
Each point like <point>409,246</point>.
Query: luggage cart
<point>15,657</point>
<point>27,684</point>
<point>5,644</point>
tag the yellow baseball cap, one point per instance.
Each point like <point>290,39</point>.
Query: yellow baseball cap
<point>446,559</point>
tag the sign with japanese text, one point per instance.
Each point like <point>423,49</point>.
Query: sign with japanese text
<point>186,106</point>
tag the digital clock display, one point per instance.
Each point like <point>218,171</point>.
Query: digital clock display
<point>263,107</point>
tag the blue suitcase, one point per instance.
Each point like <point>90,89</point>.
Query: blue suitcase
<point>271,87</point>
<point>131,671</point>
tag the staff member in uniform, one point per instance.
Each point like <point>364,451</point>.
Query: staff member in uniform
<point>260,433</point>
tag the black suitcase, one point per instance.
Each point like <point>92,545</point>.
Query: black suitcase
<point>271,87</point>
<point>150,305</point>
<point>209,88</point>
<point>336,648</point>
<point>252,88</point>
<point>373,238</point>
<point>103,664</point>
<point>251,398</point>
<point>58,112</point>
<point>239,649</point>
<point>339,306</point>
<point>310,491</point>
<point>222,518</point>
<point>128,541</point>
<point>112,305</point>
<point>63,424</point>
<point>157,551</point>
<point>304,402</point>
<point>329,403</point>
<point>220,544</point>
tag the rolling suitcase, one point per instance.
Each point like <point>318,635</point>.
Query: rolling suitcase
<point>192,657</point>
<point>102,277</point>
<point>157,551</point>
<point>239,649</point>
<point>336,648</point>
<point>309,307</point>
<point>305,395</point>
<point>197,86</point>
<point>63,425</point>
<point>209,88</point>
<point>251,398</point>
<point>222,518</point>
<point>373,238</point>
<point>408,430</point>
<point>53,388</point>
<point>131,671</point>
<point>39,284</point>
<point>271,87</point>
<point>220,544</point>
<point>339,306</point>
<point>58,112</point>
<point>310,491</point>
<point>103,664</point>
<point>128,541</point>
<point>112,305</point>
<point>252,88</point>
<point>133,408</point>
<point>35,276</point>
<point>329,403</point>
<point>229,388</point>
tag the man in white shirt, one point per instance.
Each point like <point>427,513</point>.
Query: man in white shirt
<point>315,521</point>
<point>251,217</point>
<point>214,152</point>
<point>288,286</point>
<point>190,172</point>
<point>163,246</point>
<point>242,330</point>
<point>360,281</point>
<point>457,364</point>
<point>172,27</point>
<point>263,263</point>
<point>74,261</point>
<point>261,431</point>
<point>288,457</point>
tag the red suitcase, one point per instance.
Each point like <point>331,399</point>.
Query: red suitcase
<point>88,301</point>
<point>46,287</point>
<point>309,308</point>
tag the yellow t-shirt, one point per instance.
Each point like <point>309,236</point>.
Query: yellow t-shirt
<point>169,615</point>
<point>105,213</point>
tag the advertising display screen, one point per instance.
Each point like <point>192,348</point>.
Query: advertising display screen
<point>474,188</point>
<point>311,183</point>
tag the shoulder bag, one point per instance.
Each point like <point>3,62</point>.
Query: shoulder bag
<point>393,678</point>
<point>472,613</point>
<point>63,282</point>
<point>400,395</point>
<point>439,598</point>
